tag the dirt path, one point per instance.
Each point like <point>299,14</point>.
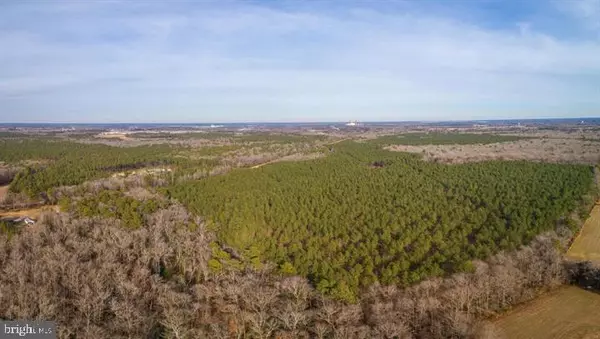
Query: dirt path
<point>264,163</point>
<point>338,141</point>
<point>292,157</point>
<point>299,159</point>
<point>31,212</point>
<point>586,245</point>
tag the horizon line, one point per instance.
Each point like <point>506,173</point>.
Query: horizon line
<point>300,122</point>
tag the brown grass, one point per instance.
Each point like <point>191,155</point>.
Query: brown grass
<point>587,244</point>
<point>570,312</point>
<point>546,150</point>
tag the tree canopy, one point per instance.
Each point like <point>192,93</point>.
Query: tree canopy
<point>52,163</point>
<point>436,138</point>
<point>345,224</point>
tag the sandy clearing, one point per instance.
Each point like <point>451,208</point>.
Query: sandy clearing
<point>569,312</point>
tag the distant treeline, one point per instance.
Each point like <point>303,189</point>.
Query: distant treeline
<point>234,137</point>
<point>50,163</point>
<point>443,139</point>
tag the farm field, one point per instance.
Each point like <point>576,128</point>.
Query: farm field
<point>571,313</point>
<point>587,245</point>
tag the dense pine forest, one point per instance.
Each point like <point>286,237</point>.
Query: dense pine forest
<point>112,204</point>
<point>233,137</point>
<point>364,215</point>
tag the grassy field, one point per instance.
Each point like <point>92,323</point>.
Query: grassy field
<point>587,245</point>
<point>570,312</point>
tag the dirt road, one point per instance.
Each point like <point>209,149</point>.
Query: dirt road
<point>31,212</point>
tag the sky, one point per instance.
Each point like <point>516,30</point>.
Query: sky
<point>284,61</point>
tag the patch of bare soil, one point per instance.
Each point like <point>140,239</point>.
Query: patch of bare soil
<point>142,172</point>
<point>3,193</point>
<point>120,136</point>
<point>545,150</point>
<point>31,212</point>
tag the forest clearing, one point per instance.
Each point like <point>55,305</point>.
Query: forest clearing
<point>549,316</point>
<point>587,244</point>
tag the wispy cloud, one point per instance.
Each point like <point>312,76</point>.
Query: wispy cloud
<point>229,61</point>
<point>587,12</point>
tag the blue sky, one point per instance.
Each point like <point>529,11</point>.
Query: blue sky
<point>230,61</point>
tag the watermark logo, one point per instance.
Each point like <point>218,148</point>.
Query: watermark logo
<point>28,329</point>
